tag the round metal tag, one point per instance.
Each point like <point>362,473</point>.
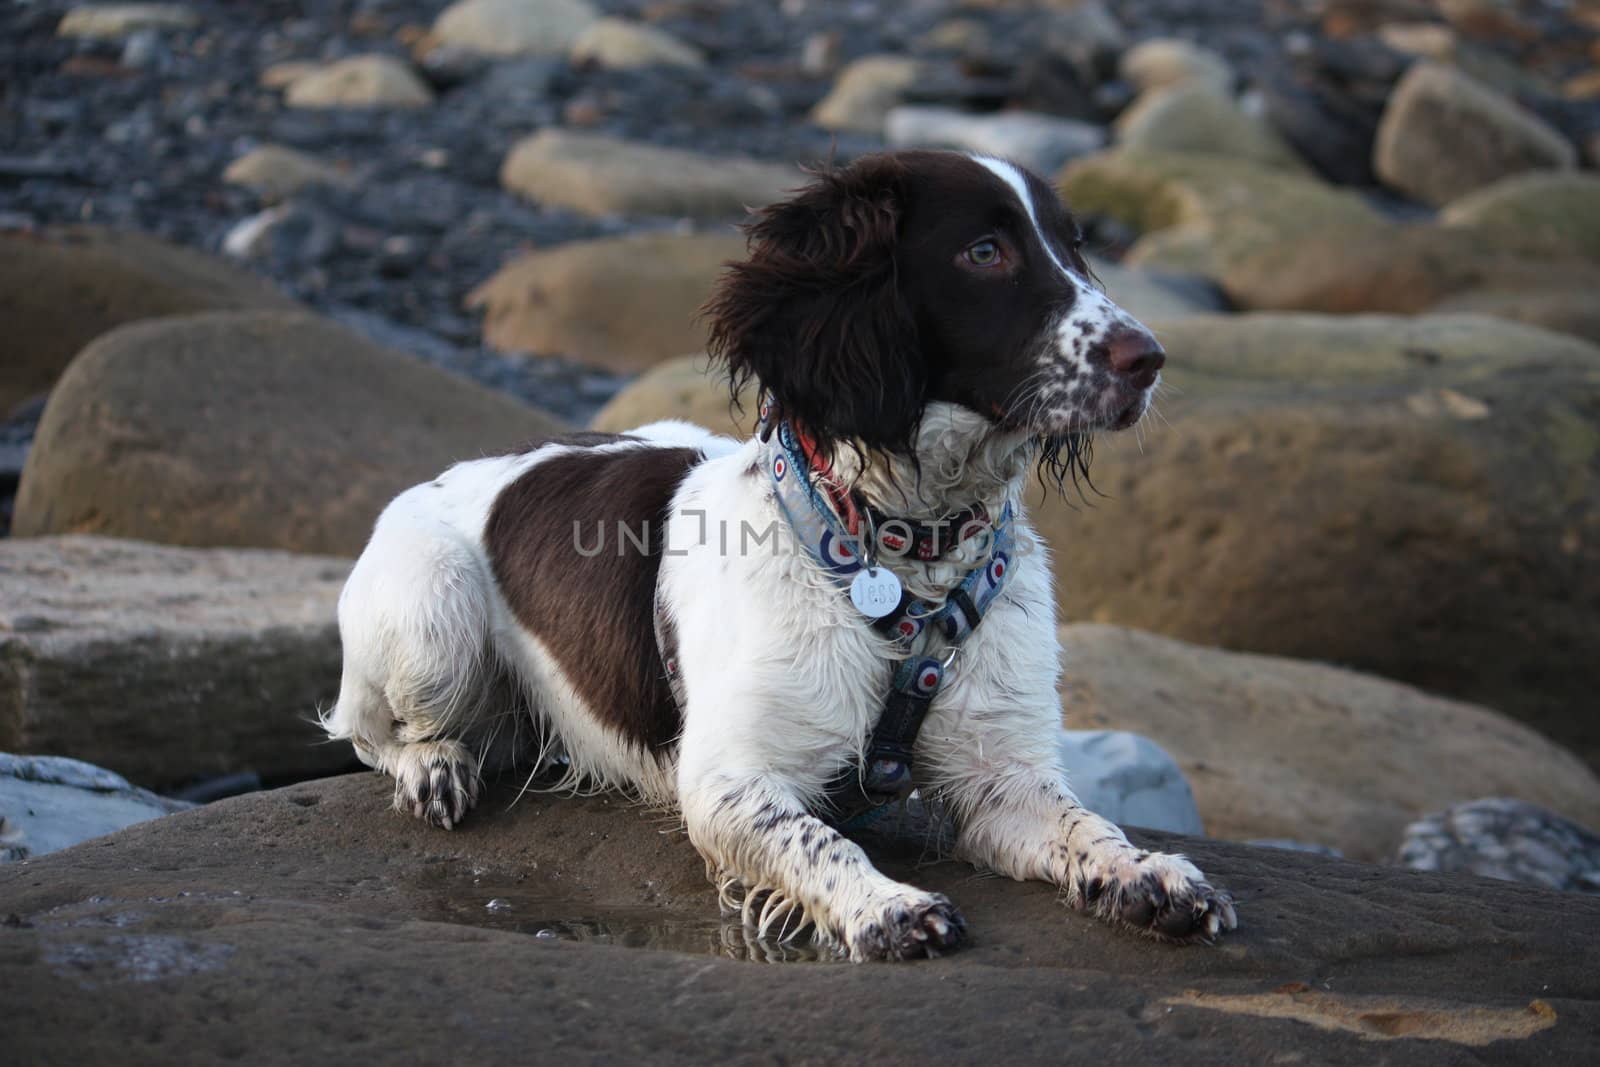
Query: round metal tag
<point>875,591</point>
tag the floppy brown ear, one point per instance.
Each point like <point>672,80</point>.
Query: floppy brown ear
<point>816,315</point>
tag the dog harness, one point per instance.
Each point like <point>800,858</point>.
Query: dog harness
<point>829,523</point>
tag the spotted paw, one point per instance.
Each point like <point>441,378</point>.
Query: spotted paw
<point>909,926</point>
<point>436,781</point>
<point>1162,896</point>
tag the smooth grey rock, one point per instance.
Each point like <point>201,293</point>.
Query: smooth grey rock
<point>1129,779</point>
<point>51,802</point>
<point>1511,840</point>
<point>167,663</point>
<point>1038,141</point>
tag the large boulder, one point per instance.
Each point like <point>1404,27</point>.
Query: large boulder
<point>168,664</point>
<point>595,174</point>
<point>514,27</point>
<point>249,429</point>
<point>62,288</point>
<point>1203,213</point>
<point>626,303</point>
<point>273,907</point>
<point>1418,498</point>
<point>1408,496</point>
<point>1443,135</point>
<point>1278,748</point>
<point>1558,208</point>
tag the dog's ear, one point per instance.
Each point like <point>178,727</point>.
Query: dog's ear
<point>816,315</point>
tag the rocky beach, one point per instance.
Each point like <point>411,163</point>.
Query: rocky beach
<point>264,265</point>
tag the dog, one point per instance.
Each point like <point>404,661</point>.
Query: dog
<point>924,334</point>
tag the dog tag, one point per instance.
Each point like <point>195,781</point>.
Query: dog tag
<point>875,591</point>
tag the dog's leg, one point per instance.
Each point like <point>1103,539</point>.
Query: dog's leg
<point>794,869</point>
<point>413,621</point>
<point>988,752</point>
<point>1016,815</point>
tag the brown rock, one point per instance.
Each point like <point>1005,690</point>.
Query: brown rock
<point>168,664</point>
<point>60,288</point>
<point>268,430</point>
<point>683,388</point>
<point>625,303</point>
<point>599,175</point>
<point>1276,748</point>
<point>275,906</point>
<point>864,92</point>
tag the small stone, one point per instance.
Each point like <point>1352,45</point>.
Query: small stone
<point>276,173</point>
<point>864,92</point>
<point>1041,142</point>
<point>114,21</point>
<point>282,75</point>
<point>51,803</point>
<point>360,81</point>
<point>819,55</point>
<point>1198,118</point>
<point>1427,39</point>
<point>515,27</point>
<point>1508,839</point>
<point>1164,61</point>
<point>145,50</point>
<point>622,45</point>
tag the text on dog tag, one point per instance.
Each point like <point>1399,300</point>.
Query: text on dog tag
<point>875,591</point>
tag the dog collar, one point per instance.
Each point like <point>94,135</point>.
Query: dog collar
<point>885,772</point>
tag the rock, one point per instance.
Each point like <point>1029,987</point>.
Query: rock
<point>1553,299</point>
<point>565,301</point>
<point>599,175</point>
<point>265,429</point>
<point>679,388</point>
<point>621,44</point>
<point>167,664</point>
<point>275,173</point>
<point>1165,62</point>
<point>1129,779</point>
<point>1198,118</point>
<point>296,233</point>
<point>1150,295</point>
<point>1444,135</point>
<point>865,91</point>
<point>515,27</point>
<point>1507,839</point>
<point>1041,142</point>
<point>61,287</point>
<point>1560,209</point>
<point>1201,213</point>
<point>360,81</point>
<point>323,883</point>
<point>1433,502</point>
<point>48,803</point>
<point>115,21</point>
<point>282,75</point>
<point>1278,748</point>
<point>1320,495</point>
<point>1403,269</point>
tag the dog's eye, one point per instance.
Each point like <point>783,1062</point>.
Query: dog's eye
<point>985,253</point>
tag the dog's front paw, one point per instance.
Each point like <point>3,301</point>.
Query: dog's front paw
<point>908,925</point>
<point>436,781</point>
<point>1161,896</point>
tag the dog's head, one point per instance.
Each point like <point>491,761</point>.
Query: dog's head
<point>913,277</point>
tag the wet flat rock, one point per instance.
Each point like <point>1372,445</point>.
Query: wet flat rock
<point>196,936</point>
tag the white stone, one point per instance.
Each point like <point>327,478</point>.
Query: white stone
<point>1040,142</point>
<point>51,802</point>
<point>112,21</point>
<point>360,81</point>
<point>515,27</point>
<point>1166,61</point>
<point>621,44</point>
<point>1129,779</point>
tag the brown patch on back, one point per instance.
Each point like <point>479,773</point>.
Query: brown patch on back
<point>594,611</point>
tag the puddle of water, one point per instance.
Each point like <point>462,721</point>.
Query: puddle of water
<point>513,908</point>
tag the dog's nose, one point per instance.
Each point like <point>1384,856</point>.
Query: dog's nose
<point>1135,353</point>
